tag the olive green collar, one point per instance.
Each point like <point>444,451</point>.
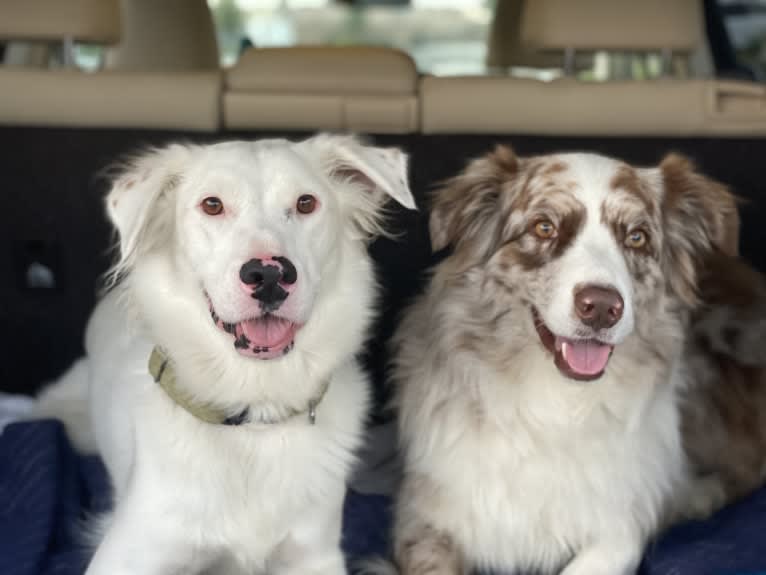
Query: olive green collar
<point>161,369</point>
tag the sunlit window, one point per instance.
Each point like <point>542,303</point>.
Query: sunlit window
<point>442,36</point>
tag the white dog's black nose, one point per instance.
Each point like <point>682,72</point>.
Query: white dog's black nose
<point>269,279</point>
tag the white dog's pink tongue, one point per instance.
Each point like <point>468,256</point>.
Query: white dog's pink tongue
<point>267,332</point>
<point>586,357</point>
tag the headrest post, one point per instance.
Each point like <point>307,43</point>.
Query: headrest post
<point>569,62</point>
<point>67,48</point>
<point>667,62</point>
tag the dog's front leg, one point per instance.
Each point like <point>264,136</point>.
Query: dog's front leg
<point>612,557</point>
<point>421,545</point>
<point>429,552</point>
<point>313,546</point>
<point>141,542</point>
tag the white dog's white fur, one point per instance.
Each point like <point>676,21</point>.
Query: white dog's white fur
<point>267,495</point>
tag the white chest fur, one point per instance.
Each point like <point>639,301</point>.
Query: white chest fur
<point>242,490</point>
<point>534,467</point>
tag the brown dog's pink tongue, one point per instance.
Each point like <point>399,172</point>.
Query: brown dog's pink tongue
<point>268,331</point>
<point>585,357</point>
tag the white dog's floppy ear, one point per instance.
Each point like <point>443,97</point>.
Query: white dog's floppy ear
<point>133,203</point>
<point>380,172</point>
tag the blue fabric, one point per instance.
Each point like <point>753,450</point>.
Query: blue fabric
<point>47,490</point>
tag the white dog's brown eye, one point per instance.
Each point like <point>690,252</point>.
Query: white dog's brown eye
<point>545,230</point>
<point>306,204</point>
<point>636,239</point>
<point>212,206</point>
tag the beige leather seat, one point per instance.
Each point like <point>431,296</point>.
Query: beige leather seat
<point>30,96</point>
<point>188,102</point>
<point>500,105</point>
<point>665,107</point>
<point>359,89</point>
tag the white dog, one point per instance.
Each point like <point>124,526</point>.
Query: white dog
<point>224,394</point>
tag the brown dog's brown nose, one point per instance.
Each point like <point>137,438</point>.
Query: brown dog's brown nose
<point>598,307</point>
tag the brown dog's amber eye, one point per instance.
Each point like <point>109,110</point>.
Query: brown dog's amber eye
<point>212,206</point>
<point>306,204</point>
<point>545,230</point>
<point>636,239</point>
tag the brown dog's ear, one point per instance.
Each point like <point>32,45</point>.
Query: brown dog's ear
<point>462,210</point>
<point>700,218</point>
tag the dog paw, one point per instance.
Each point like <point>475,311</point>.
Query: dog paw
<point>705,496</point>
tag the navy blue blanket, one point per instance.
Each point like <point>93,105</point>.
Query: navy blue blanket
<point>47,491</point>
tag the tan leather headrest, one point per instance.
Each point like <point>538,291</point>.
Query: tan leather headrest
<point>324,70</point>
<point>643,25</point>
<point>83,20</point>
<point>165,35</point>
<point>355,88</point>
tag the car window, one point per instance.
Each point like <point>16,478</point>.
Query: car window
<point>443,36</point>
<point>745,22</point>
